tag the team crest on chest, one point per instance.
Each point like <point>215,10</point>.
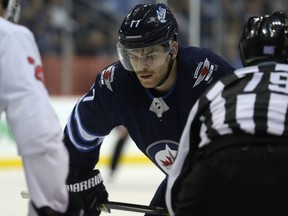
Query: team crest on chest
<point>107,76</point>
<point>163,152</point>
<point>203,71</point>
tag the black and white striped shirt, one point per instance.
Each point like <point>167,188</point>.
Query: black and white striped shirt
<point>252,100</point>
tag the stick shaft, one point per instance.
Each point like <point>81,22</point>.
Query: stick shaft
<point>123,206</point>
<point>136,208</point>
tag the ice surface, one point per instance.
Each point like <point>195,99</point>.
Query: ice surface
<point>131,183</point>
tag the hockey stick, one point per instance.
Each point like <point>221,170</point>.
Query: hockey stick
<point>135,208</point>
<point>124,207</point>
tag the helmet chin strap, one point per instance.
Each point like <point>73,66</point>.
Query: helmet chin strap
<point>168,71</point>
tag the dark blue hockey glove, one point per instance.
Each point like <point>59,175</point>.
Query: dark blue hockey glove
<point>88,186</point>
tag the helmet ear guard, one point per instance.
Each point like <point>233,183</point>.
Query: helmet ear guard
<point>173,48</point>
<point>265,38</point>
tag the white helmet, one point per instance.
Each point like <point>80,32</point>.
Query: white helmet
<point>13,9</point>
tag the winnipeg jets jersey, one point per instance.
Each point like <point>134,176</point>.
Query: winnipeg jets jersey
<point>154,123</point>
<point>29,114</point>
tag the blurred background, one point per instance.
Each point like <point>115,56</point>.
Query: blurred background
<point>77,38</point>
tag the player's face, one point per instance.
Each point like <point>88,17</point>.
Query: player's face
<point>150,64</point>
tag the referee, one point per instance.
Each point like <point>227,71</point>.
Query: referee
<point>233,154</point>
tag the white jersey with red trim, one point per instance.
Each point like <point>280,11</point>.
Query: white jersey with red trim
<point>33,122</point>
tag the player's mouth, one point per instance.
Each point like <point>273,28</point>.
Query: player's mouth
<point>144,75</point>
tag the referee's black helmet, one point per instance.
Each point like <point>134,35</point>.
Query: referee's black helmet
<point>265,38</point>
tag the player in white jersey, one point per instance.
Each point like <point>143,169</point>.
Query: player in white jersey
<point>233,154</point>
<point>33,122</point>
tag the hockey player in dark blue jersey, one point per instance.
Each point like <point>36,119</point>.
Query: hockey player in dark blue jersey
<point>150,91</point>
<point>233,154</point>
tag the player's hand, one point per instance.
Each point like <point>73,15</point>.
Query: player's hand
<point>88,186</point>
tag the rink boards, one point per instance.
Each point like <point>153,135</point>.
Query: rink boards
<point>63,107</point>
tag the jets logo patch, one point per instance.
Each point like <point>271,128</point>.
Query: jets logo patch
<point>163,153</point>
<point>107,76</point>
<point>203,71</point>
